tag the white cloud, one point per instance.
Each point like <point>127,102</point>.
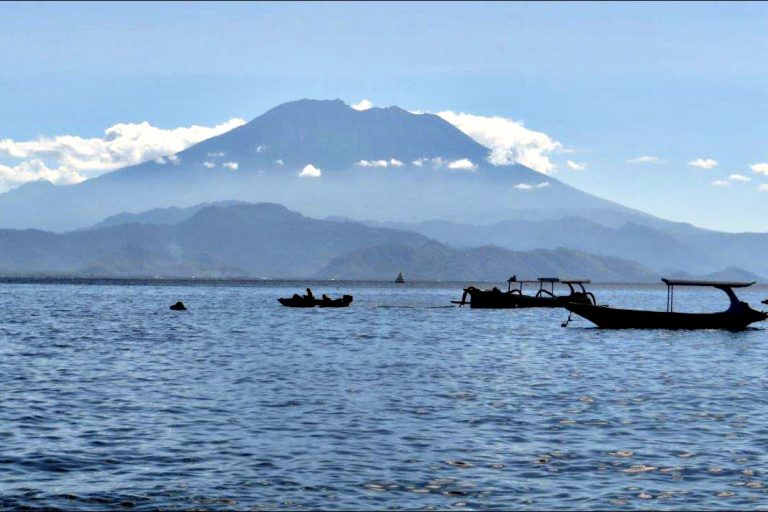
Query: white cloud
<point>763,187</point>
<point>463,164</point>
<point>311,171</point>
<point>645,160</point>
<point>703,163</point>
<point>216,154</point>
<point>123,144</point>
<point>209,165</point>
<point>372,163</point>
<point>35,170</point>
<point>174,159</point>
<point>362,105</point>
<point>526,186</point>
<point>576,166</point>
<point>261,148</point>
<point>721,183</point>
<point>417,163</point>
<point>739,177</point>
<point>510,142</point>
<point>279,161</point>
<point>230,165</point>
<point>761,168</point>
<point>380,163</point>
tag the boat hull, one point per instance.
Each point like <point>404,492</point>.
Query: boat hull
<point>481,299</point>
<point>304,302</point>
<point>294,302</point>
<point>614,318</point>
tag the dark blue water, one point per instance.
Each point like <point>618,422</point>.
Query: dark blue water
<point>108,399</point>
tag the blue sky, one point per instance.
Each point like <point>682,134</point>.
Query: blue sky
<point>610,81</point>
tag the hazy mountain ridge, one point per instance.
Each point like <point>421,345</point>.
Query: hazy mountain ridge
<point>161,216</point>
<point>681,248</point>
<point>268,240</point>
<point>244,240</point>
<point>688,252</point>
<point>436,261</point>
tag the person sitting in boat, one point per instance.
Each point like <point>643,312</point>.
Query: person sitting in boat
<point>326,299</point>
<point>496,291</point>
<point>309,295</point>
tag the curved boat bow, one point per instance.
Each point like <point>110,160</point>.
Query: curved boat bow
<point>737,317</point>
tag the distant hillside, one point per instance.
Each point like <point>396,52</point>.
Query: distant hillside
<point>262,240</point>
<point>435,261</point>
<point>161,216</point>
<point>268,240</point>
<point>728,274</point>
<point>686,252</point>
<point>669,248</point>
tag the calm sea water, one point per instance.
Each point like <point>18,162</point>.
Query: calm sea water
<point>108,399</point>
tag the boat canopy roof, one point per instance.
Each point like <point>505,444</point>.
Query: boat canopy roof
<point>576,281</point>
<point>549,279</point>
<point>716,284</point>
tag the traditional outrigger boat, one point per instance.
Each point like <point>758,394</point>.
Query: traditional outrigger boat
<point>737,317</point>
<point>514,297</point>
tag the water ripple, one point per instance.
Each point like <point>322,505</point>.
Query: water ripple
<point>111,401</point>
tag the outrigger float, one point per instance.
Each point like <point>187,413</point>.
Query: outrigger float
<point>514,297</point>
<point>737,317</point>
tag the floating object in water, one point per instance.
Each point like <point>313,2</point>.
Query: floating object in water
<point>309,301</point>
<point>179,306</point>
<point>737,317</point>
<point>399,279</point>
<point>514,297</point>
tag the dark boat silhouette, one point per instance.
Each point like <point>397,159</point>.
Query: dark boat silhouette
<point>299,301</point>
<point>737,317</point>
<point>399,279</point>
<point>515,298</point>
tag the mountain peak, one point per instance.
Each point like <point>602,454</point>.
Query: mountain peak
<point>305,105</point>
<point>333,136</point>
<point>41,184</point>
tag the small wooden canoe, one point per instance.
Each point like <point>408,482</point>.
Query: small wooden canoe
<point>298,301</point>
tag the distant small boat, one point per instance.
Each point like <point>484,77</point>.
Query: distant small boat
<point>302,301</point>
<point>399,278</point>
<point>737,317</point>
